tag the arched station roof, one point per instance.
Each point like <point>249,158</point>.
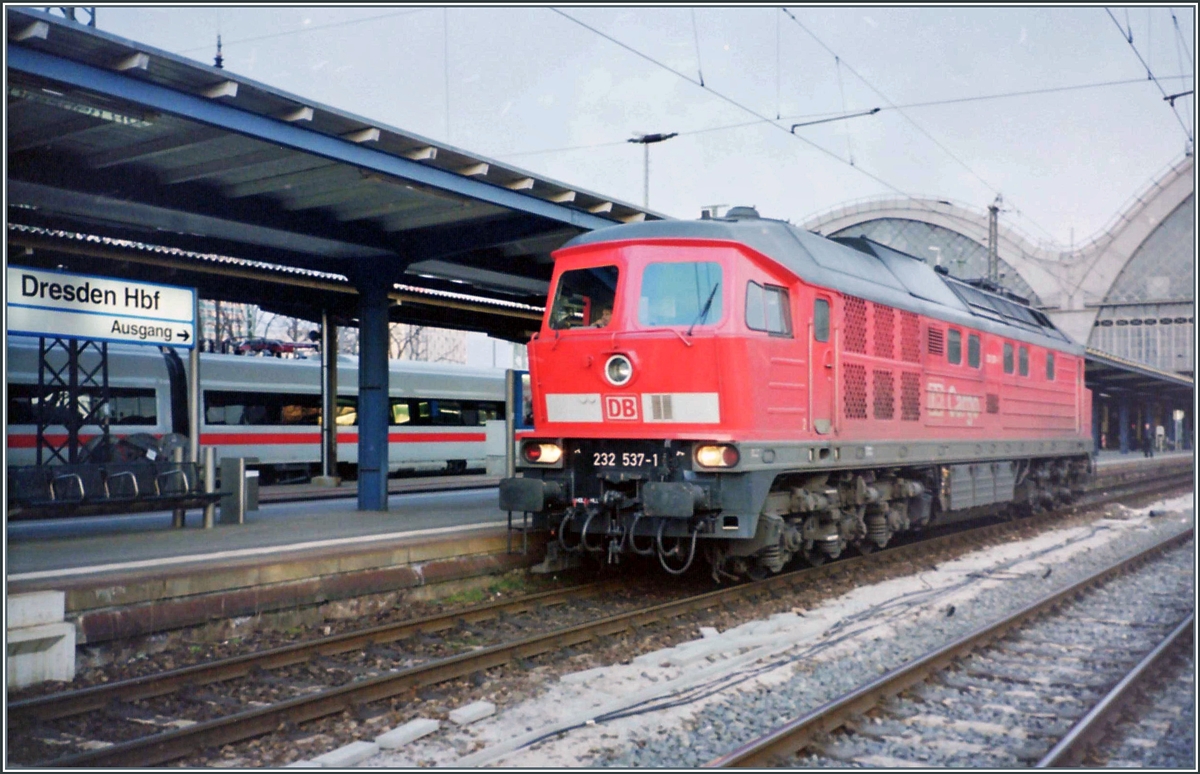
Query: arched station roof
<point>1141,266</point>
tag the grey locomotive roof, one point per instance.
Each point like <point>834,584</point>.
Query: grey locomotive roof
<point>868,270</point>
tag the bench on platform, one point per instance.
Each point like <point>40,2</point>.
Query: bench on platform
<point>51,491</point>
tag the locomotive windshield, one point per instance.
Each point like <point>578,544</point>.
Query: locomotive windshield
<point>680,294</point>
<point>584,298</point>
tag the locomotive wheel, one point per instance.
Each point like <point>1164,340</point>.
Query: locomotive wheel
<point>814,556</point>
<point>866,546</point>
<point>756,572</point>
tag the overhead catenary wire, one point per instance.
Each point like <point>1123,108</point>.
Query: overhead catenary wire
<point>908,118</point>
<point>696,37</point>
<point>741,107</point>
<point>837,62</point>
<point>1150,74</point>
<point>313,28</point>
<point>930,103</point>
<point>1180,50</point>
<point>1179,41</point>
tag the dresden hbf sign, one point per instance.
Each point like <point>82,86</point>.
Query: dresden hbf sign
<point>50,303</point>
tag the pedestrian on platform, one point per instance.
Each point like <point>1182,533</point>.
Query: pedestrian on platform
<point>1148,440</point>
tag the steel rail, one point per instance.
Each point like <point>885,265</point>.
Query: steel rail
<point>66,704</point>
<point>776,746</point>
<point>178,743</point>
<point>70,703</point>
<point>1088,731</point>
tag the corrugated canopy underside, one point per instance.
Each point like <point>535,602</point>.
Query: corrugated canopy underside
<point>108,136</point>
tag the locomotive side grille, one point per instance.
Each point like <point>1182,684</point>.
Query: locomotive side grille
<point>885,404</point>
<point>910,337</point>
<point>910,397</point>
<point>856,325</point>
<point>885,337</point>
<point>660,407</point>
<point>993,403</point>
<point>937,341</point>
<point>854,377</point>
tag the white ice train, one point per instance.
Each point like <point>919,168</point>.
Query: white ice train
<point>270,408</point>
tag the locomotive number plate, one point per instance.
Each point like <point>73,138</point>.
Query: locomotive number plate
<point>638,457</point>
<point>605,459</point>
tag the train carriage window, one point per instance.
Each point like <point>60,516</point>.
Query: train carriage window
<point>447,412</point>
<point>399,414</point>
<point>821,320</point>
<point>1049,366</point>
<point>126,405</point>
<point>687,293</point>
<point>582,297</point>
<point>347,411</point>
<point>261,408</point>
<point>1023,361</point>
<point>489,411</point>
<point>954,348</point>
<point>768,309</point>
<point>1008,358</point>
<point>973,350</point>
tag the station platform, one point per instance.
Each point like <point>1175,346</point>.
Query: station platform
<point>132,576</point>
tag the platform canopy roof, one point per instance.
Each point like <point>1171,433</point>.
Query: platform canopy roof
<point>1117,377</point>
<point>189,174</point>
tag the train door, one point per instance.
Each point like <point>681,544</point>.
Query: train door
<point>821,366</point>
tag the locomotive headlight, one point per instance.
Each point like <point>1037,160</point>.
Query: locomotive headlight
<point>717,456</point>
<point>542,453</point>
<point>618,370</point>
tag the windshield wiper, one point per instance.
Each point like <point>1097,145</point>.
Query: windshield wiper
<point>707,305</point>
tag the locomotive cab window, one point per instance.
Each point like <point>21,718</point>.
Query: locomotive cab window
<point>821,320</point>
<point>954,347</point>
<point>684,294</point>
<point>584,298</point>
<point>973,350</point>
<point>1008,358</point>
<point>1049,366</point>
<point>1023,361</point>
<point>767,309</point>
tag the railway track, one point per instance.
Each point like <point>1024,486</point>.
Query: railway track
<point>962,696</point>
<point>237,722</point>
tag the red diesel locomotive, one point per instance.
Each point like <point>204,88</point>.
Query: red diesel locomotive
<point>746,391</point>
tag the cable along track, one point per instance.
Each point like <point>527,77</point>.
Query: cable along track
<point>1024,673</point>
<point>184,737</point>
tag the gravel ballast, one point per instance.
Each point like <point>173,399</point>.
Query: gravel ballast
<point>697,705</point>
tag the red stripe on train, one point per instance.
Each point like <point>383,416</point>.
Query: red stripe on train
<point>29,441</point>
<point>249,439</point>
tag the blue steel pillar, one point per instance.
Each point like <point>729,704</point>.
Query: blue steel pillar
<point>372,396</point>
<point>1097,408</point>
<point>1124,410</point>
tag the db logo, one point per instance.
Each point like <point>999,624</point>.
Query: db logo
<point>621,407</point>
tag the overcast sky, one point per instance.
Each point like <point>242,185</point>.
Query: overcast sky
<point>533,87</point>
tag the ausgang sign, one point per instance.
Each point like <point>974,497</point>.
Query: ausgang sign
<point>51,303</point>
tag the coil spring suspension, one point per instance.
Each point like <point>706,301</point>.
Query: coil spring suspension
<point>877,528</point>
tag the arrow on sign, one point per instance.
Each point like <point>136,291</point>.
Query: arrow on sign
<point>184,335</point>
